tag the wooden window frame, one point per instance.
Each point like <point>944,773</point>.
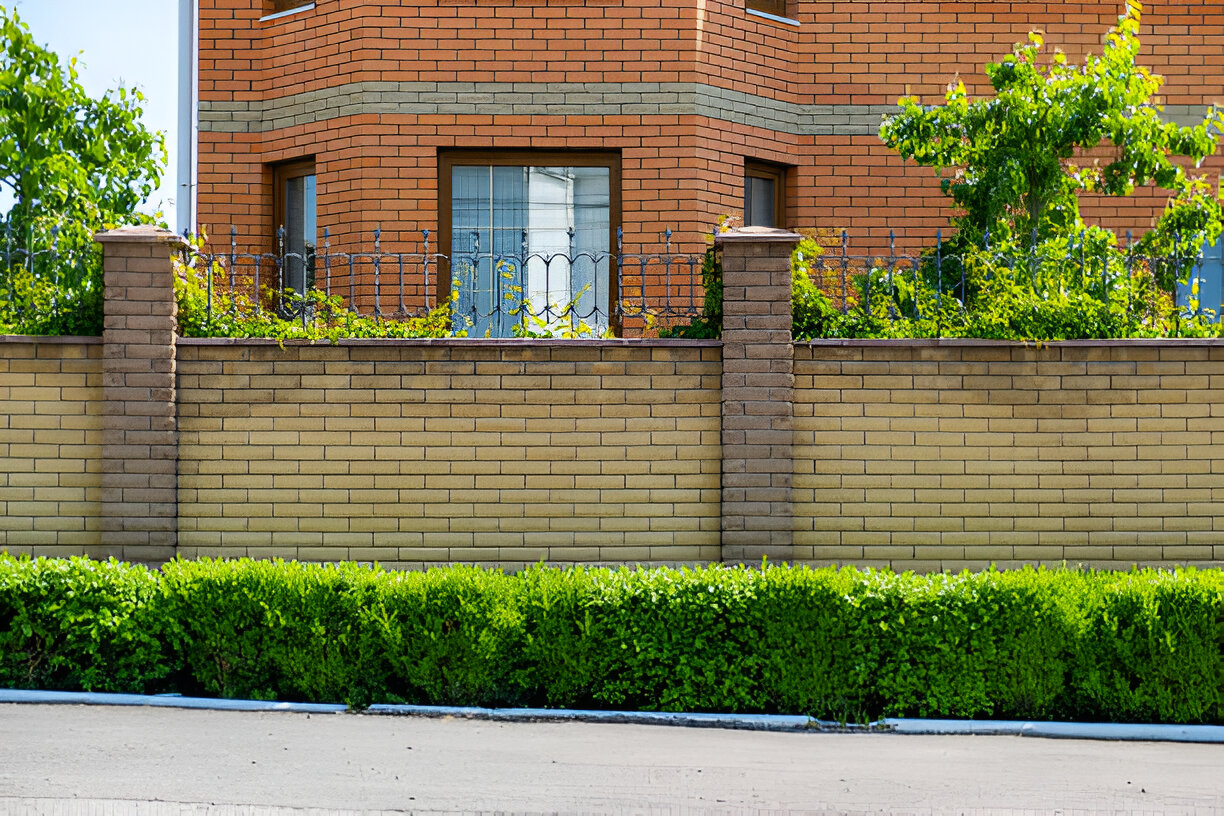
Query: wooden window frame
<point>281,173</point>
<point>491,157</point>
<point>754,168</point>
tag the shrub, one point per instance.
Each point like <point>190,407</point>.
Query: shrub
<point>450,637</point>
<point>79,625</point>
<point>271,630</point>
<point>1152,648</point>
<point>844,644</point>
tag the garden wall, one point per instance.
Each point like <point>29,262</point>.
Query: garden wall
<point>949,454</point>
<point>915,454</point>
<point>421,452</point>
<point>50,444</point>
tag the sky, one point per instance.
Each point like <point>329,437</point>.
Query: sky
<point>131,42</point>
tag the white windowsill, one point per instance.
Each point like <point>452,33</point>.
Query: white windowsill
<point>281,14</point>
<point>773,17</point>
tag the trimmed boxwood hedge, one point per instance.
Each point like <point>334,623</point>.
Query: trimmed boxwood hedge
<point>838,644</point>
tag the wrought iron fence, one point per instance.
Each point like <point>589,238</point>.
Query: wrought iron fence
<point>50,281</point>
<point>488,291</point>
<point>1189,280</point>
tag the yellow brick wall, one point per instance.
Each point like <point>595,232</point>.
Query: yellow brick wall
<point>50,445</point>
<point>948,454</point>
<point>922,455</point>
<point>413,453</point>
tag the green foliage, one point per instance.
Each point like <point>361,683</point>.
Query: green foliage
<point>1062,289</point>
<point>1151,648</point>
<point>53,293</point>
<point>235,314</point>
<point>994,644</point>
<point>841,644</point>
<point>559,320</point>
<point>1023,265</point>
<point>709,324</point>
<point>1019,158</point>
<point>270,630</point>
<point>73,164</point>
<point>813,313</point>
<point>78,625</point>
<point>451,637</point>
<point>65,156</point>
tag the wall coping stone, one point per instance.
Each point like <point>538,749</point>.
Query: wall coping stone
<point>469,342</point>
<point>140,234</point>
<point>935,342</point>
<point>757,234</point>
<point>60,340</point>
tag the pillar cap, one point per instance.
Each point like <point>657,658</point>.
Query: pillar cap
<point>758,235</point>
<point>140,234</point>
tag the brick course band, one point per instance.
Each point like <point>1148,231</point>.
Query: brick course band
<point>560,99</point>
<point>538,99</point>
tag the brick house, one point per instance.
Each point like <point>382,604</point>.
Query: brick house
<point>511,122</point>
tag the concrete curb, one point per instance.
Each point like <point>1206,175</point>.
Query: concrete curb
<point>748,722</point>
<point>1062,730</point>
<point>167,701</point>
<point>743,722</point>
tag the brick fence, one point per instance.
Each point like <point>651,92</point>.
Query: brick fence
<point>422,452</point>
<point>910,454</point>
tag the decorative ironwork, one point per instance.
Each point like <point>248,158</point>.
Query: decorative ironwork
<point>1192,275</point>
<point>50,280</point>
<point>487,292</point>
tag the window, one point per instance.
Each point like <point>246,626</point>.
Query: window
<point>282,6</point>
<point>778,8</point>
<point>529,225</point>
<point>764,194</point>
<point>294,204</point>
<point>1204,289</point>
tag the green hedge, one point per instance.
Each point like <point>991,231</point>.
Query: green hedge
<point>837,644</point>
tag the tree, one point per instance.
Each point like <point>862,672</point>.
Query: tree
<point>72,165</point>
<point>1019,159</point>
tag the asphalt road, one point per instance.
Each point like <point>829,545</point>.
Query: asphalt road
<point>78,759</point>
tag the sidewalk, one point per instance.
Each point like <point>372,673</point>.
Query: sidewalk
<point>76,759</point>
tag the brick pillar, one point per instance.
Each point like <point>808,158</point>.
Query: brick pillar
<point>139,443</point>
<point>758,384</point>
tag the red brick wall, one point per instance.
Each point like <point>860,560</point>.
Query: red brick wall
<point>679,171</point>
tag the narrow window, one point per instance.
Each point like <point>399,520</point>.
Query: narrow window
<point>296,223</point>
<point>778,8</point>
<point>764,194</point>
<point>281,6</point>
<point>529,226</point>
